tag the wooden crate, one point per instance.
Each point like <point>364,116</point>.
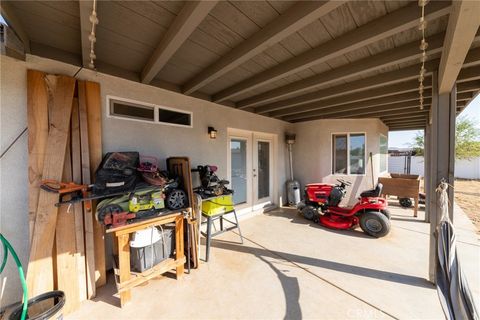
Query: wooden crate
<point>405,187</point>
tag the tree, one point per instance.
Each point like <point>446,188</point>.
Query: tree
<point>467,140</point>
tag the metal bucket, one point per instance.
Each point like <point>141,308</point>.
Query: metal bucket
<point>48,306</point>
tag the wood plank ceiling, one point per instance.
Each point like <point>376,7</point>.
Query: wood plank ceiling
<point>292,60</point>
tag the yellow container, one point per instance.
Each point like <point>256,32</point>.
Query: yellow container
<point>217,205</point>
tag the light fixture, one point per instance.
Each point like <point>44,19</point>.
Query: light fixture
<point>212,133</point>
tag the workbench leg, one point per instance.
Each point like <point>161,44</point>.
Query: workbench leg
<point>209,238</point>
<point>179,255</point>
<point>124,266</point>
<point>415,212</point>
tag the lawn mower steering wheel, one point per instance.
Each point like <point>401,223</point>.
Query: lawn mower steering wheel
<point>347,183</point>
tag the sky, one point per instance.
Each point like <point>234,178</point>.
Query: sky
<point>402,139</point>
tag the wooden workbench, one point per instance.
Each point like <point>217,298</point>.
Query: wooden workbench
<point>122,235</point>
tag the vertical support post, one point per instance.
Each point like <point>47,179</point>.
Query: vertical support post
<point>441,160</point>
<point>426,160</point>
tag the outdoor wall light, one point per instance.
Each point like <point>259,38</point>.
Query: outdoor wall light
<point>212,133</point>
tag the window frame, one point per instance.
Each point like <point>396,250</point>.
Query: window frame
<point>156,107</point>
<point>380,154</point>
<point>348,154</point>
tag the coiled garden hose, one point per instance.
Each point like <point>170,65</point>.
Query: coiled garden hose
<point>8,247</point>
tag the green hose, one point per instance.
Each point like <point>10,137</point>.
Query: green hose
<point>7,245</point>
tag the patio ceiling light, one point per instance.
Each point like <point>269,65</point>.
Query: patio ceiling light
<point>212,133</point>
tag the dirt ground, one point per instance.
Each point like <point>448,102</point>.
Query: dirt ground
<point>467,196</point>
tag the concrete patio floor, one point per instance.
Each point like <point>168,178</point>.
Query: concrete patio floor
<point>290,268</point>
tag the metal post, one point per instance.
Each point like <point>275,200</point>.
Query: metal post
<point>441,160</point>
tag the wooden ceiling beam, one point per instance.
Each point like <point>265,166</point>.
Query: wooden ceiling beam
<point>469,74</point>
<point>400,91</point>
<point>376,81</point>
<point>375,111</point>
<point>10,16</point>
<point>473,59</point>
<point>384,59</point>
<point>407,128</point>
<point>417,119</point>
<point>463,23</point>
<point>300,15</point>
<point>404,113</point>
<point>191,15</point>
<point>471,86</point>
<point>318,108</point>
<point>378,29</point>
<point>464,96</point>
<point>407,123</point>
<point>423,115</point>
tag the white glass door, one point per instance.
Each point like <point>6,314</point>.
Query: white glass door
<point>250,169</point>
<point>240,168</point>
<point>262,171</point>
<point>238,151</point>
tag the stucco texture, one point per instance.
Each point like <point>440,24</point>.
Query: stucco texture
<point>118,135</point>
<point>312,152</point>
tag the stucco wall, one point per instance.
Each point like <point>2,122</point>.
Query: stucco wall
<point>13,173</point>
<point>312,152</point>
<point>118,134</point>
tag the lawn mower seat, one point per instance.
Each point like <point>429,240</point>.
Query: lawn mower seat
<point>373,193</point>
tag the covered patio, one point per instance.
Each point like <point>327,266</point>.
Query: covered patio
<point>222,83</point>
<point>289,268</point>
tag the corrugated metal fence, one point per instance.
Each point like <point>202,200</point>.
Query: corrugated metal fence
<point>466,169</point>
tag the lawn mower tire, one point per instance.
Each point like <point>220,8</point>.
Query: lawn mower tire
<point>316,218</point>
<point>375,224</point>
<point>176,199</point>
<point>309,212</point>
<point>405,202</point>
<point>387,213</point>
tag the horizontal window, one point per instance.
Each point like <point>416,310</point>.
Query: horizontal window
<point>133,110</point>
<point>174,117</point>
<point>348,153</point>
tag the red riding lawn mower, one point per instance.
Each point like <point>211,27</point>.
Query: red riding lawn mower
<point>321,206</point>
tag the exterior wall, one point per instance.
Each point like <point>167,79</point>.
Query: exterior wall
<point>464,169</point>
<point>13,173</point>
<point>312,152</point>
<point>118,135</point>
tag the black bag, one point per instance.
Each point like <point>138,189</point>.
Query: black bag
<point>117,173</point>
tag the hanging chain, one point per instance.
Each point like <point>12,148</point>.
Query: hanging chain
<point>92,37</point>
<point>422,26</point>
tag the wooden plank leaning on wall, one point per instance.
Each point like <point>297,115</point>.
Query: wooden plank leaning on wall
<point>94,114</point>
<point>40,268</point>
<point>66,262</point>
<point>86,179</point>
<point>68,129</point>
<point>37,110</point>
<point>77,208</point>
